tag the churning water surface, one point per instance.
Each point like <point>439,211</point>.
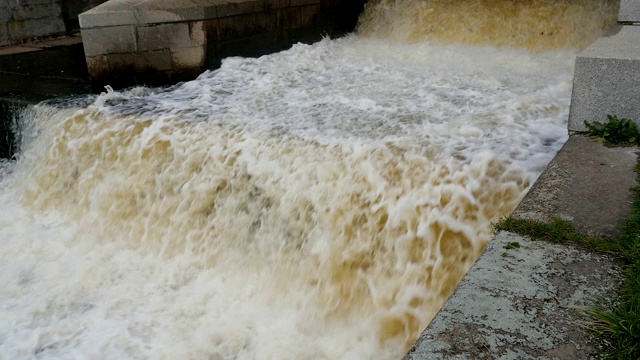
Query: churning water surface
<point>318,203</point>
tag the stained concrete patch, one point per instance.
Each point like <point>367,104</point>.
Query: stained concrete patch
<point>586,183</point>
<point>522,301</point>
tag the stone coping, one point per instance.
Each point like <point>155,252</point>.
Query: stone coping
<point>616,45</point>
<point>135,12</point>
<point>607,75</point>
<point>629,11</point>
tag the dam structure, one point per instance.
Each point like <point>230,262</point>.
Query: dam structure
<point>319,202</point>
<point>157,42</point>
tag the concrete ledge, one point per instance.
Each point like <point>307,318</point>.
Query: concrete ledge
<point>629,11</point>
<point>586,183</point>
<point>607,79</point>
<point>521,300</point>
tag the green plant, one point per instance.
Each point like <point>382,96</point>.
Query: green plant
<point>616,131</point>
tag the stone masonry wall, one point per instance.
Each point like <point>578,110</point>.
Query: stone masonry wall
<point>159,41</point>
<point>21,20</point>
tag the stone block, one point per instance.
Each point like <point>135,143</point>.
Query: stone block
<point>197,33</point>
<point>111,13</point>
<point>34,2</point>
<point>5,14</point>
<point>607,80</point>
<point>4,34</point>
<point>35,28</point>
<point>123,12</point>
<point>277,4</point>
<point>241,26</point>
<point>29,12</point>
<point>164,36</point>
<point>141,61</point>
<point>304,2</point>
<point>236,7</point>
<point>629,11</point>
<point>98,66</point>
<point>109,40</point>
<point>289,18</point>
<point>193,57</point>
<point>212,31</point>
<point>209,8</point>
<point>161,11</point>
<point>309,15</point>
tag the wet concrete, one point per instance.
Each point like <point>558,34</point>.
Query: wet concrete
<point>586,183</point>
<point>524,299</point>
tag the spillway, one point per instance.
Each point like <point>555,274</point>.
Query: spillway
<point>318,203</point>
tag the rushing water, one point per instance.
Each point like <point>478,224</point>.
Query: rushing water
<point>318,203</point>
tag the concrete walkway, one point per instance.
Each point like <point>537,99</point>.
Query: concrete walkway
<point>523,298</point>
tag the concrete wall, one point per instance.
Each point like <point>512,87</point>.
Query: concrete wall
<point>160,41</point>
<point>23,20</point>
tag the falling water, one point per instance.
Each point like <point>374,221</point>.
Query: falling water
<point>318,203</point>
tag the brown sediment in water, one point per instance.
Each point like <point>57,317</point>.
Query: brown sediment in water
<point>396,264</point>
<point>537,25</point>
<point>355,232</point>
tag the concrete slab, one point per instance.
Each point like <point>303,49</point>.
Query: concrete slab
<point>607,79</point>
<point>586,183</point>
<point>629,11</point>
<point>521,300</point>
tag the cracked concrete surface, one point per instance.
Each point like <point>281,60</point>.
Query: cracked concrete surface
<point>521,303</point>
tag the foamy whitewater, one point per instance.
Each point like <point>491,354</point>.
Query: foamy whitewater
<point>318,203</point>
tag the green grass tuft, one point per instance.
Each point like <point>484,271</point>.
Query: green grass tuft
<point>616,131</point>
<point>557,231</point>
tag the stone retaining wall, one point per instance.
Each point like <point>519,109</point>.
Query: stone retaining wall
<point>23,20</point>
<point>160,41</point>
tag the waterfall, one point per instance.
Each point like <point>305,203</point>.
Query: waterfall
<point>318,203</point>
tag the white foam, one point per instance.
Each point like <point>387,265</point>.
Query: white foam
<point>318,203</point>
